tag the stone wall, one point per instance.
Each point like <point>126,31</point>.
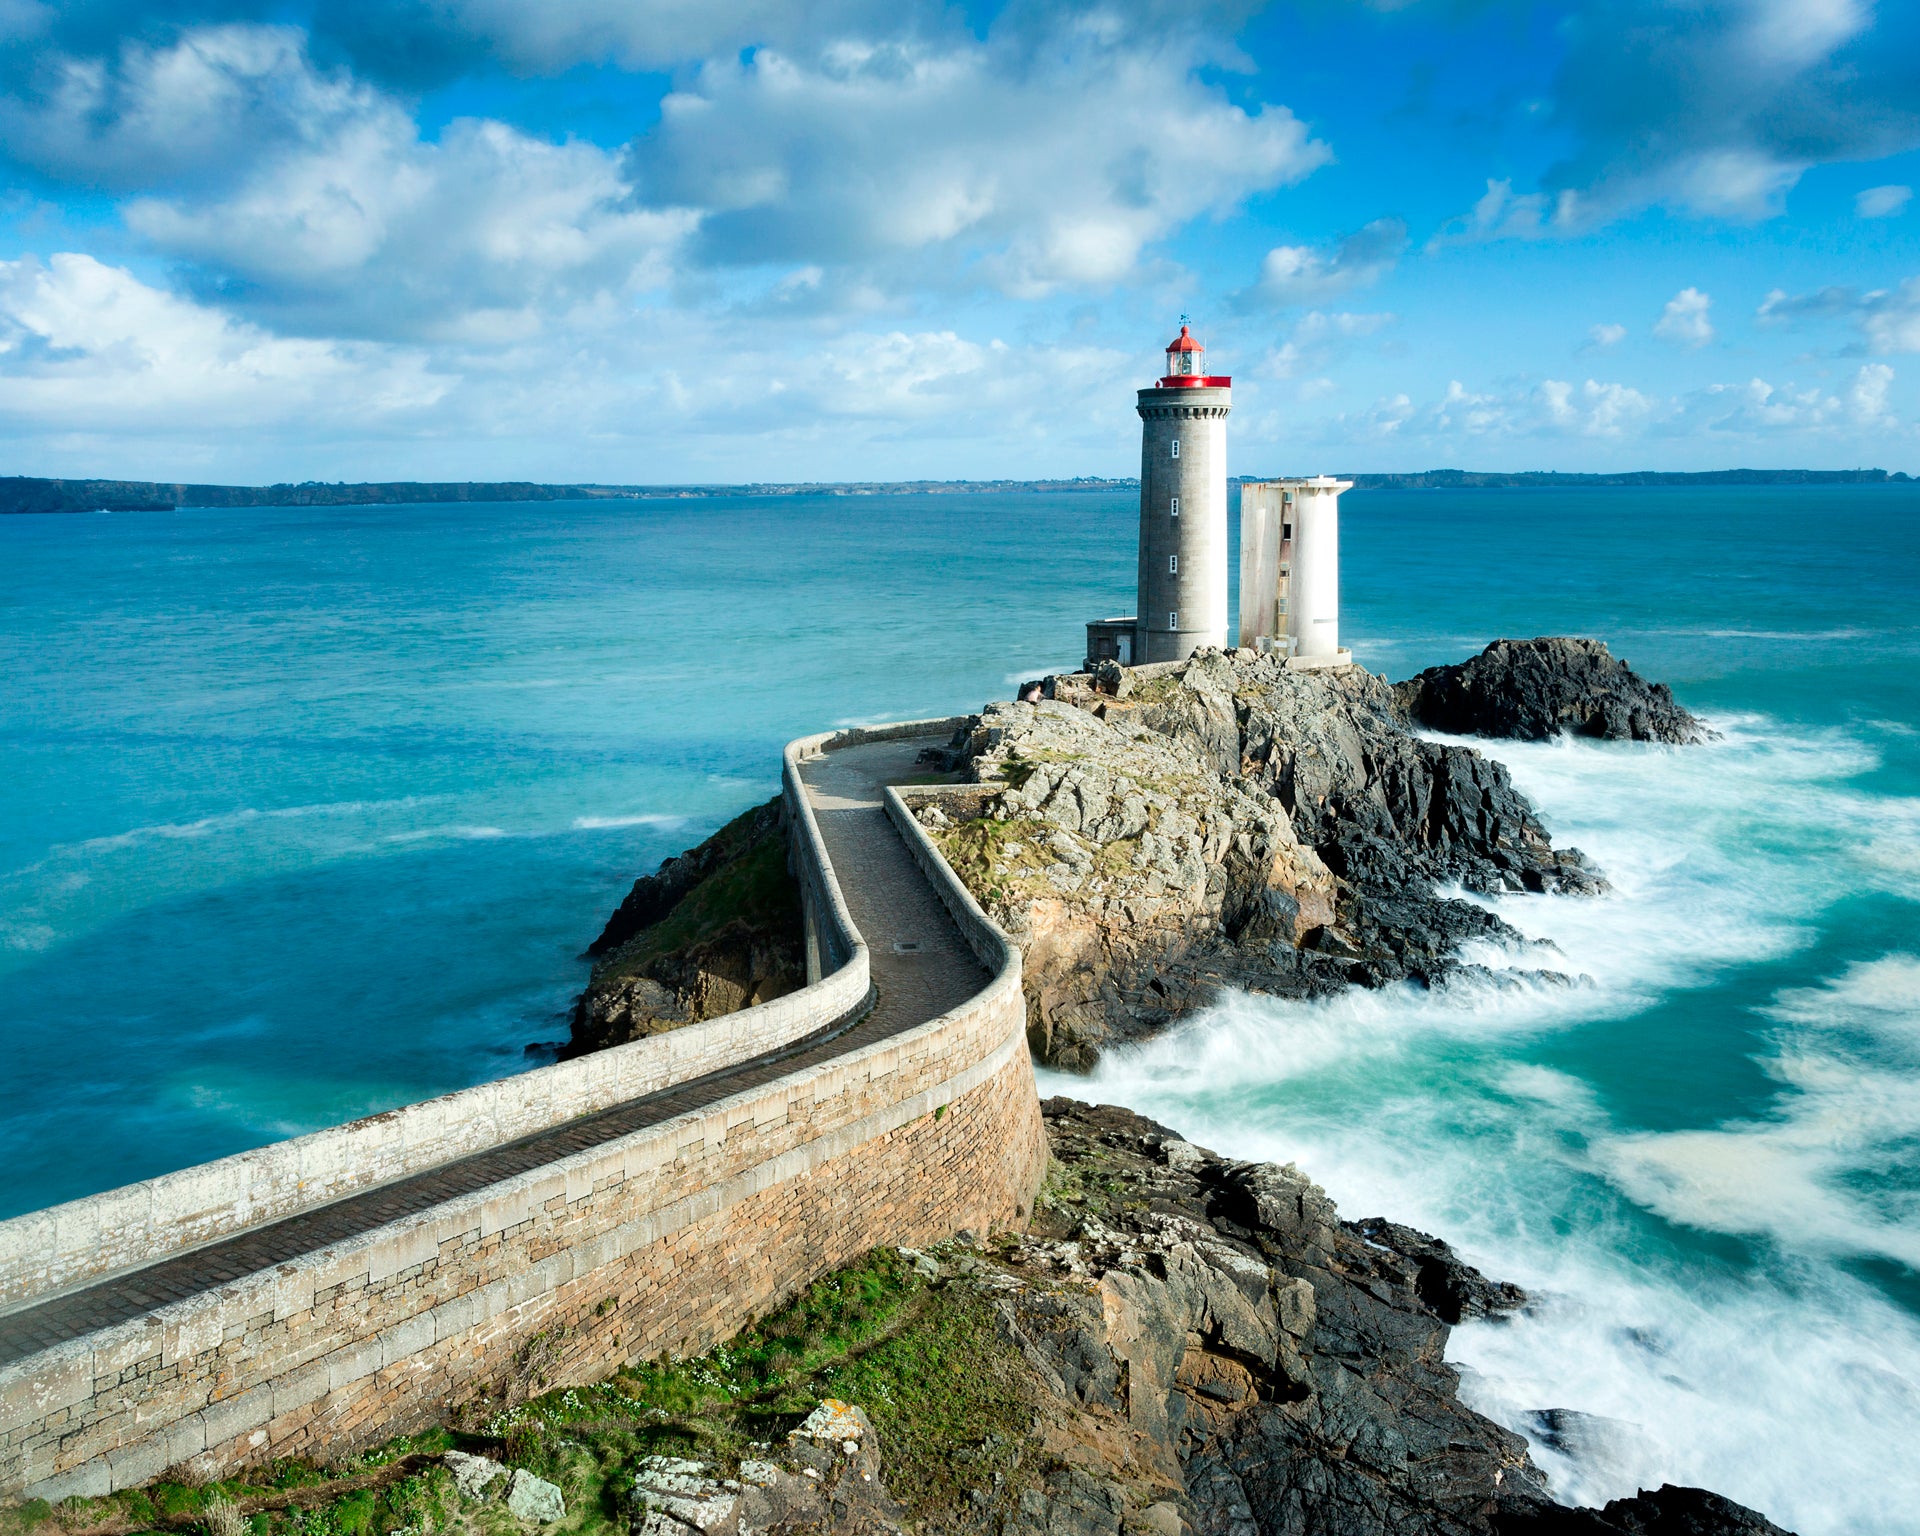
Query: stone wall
<point>667,1239</point>
<point>46,1252</point>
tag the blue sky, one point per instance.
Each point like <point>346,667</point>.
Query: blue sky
<point>727,240</point>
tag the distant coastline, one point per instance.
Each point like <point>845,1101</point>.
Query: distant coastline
<point>21,493</point>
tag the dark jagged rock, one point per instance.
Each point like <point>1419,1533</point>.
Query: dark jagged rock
<point>715,929</point>
<point>1220,1354</point>
<point>1533,690</point>
<point>1387,811</point>
<point>1667,1511</point>
<point>1449,1287</point>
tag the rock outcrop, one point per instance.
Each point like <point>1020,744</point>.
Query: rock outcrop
<point>1150,839</point>
<point>1533,690</point>
<point>825,1482</point>
<point>1180,1344</point>
<point>1666,1511</point>
<point>714,929</point>
<point>1221,1354</point>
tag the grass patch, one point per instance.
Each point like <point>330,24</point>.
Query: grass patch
<point>1155,690</point>
<point>948,1398</point>
<point>399,1486</point>
<point>980,853</point>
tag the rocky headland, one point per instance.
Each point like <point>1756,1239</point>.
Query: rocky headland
<point>1179,1345</point>
<point>1152,836</point>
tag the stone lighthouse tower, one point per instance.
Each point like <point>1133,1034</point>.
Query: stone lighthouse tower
<point>1183,508</point>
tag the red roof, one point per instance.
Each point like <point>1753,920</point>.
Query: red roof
<point>1184,342</point>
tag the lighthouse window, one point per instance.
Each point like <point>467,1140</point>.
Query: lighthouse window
<point>1173,618</point>
<point>1173,564</point>
<point>1176,506</point>
<point>1286,530</point>
<point>1176,447</point>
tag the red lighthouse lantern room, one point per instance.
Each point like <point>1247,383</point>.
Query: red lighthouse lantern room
<point>1184,368</point>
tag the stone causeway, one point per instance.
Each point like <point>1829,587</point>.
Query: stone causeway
<point>322,1294</point>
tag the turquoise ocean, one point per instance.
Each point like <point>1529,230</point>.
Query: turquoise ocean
<point>308,813</point>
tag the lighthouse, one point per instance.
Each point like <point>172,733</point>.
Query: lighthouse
<point>1183,507</point>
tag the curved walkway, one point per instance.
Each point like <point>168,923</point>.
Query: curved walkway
<point>921,968</point>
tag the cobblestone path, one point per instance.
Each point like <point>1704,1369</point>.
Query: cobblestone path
<point>921,968</point>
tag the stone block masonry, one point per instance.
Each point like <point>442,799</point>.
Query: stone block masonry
<point>710,1203</point>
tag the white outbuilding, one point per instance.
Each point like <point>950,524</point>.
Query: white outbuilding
<point>1290,569</point>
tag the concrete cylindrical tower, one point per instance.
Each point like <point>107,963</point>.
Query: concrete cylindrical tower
<point>1183,508</point>
<point>1313,608</point>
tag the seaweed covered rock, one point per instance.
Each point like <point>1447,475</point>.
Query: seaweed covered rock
<point>714,929</point>
<point>1533,690</point>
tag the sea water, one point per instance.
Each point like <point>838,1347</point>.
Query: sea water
<point>307,813</point>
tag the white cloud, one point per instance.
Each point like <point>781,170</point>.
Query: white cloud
<point>1888,319</point>
<point>1551,408</point>
<point>1028,164</point>
<point>102,373</point>
<point>1761,411</point>
<point>214,97</point>
<point>397,37</point>
<point>1882,202</point>
<point>1714,108</point>
<point>1500,214</point>
<point>1684,321</point>
<point>1754,412</point>
<point>1318,341</point>
<point>312,200</point>
<point>1739,183</point>
<point>1308,274</point>
<point>1606,334</point>
<point>488,234</point>
<point>86,343</point>
<point>1867,395</point>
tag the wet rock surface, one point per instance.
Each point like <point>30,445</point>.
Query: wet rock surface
<point>1666,1511</point>
<point>1221,1354</point>
<point>1533,690</point>
<point>1152,839</point>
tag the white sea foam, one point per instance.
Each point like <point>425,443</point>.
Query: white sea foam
<point>605,823</point>
<point>1850,1062</point>
<point>457,832</point>
<point>208,826</point>
<point>78,885</point>
<point>1759,1359</point>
